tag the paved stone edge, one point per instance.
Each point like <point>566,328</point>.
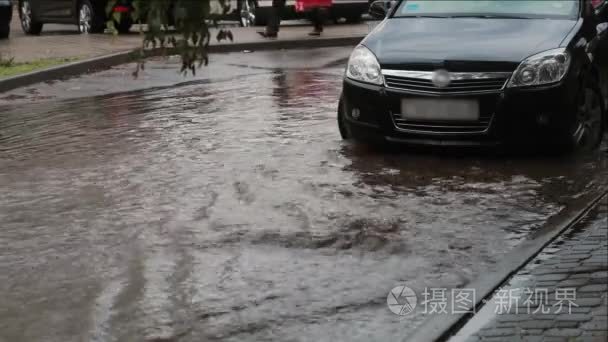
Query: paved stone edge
<point>442,327</point>
<point>108,61</point>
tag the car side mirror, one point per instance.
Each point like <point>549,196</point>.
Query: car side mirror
<point>380,9</point>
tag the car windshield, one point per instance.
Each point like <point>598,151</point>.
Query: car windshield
<point>489,8</point>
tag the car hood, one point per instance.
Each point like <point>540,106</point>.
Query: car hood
<point>461,44</point>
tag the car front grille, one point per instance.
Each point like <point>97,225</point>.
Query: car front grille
<point>438,127</point>
<point>421,82</point>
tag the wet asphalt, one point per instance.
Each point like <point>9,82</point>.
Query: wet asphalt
<point>224,206</point>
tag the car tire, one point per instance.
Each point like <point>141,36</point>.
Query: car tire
<point>5,31</point>
<point>28,22</point>
<point>586,131</point>
<point>89,20</point>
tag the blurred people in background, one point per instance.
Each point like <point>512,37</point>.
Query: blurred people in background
<point>274,19</point>
<point>317,10</point>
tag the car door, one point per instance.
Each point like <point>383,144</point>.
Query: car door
<point>38,8</point>
<point>56,10</point>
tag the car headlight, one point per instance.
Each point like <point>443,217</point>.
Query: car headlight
<point>363,66</point>
<point>544,68</point>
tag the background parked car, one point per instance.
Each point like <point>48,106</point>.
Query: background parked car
<point>6,14</point>
<point>91,15</point>
<point>351,10</point>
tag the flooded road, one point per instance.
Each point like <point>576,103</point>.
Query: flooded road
<point>227,208</point>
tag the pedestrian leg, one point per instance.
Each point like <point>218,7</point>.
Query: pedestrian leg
<point>323,15</point>
<point>318,19</point>
<point>274,19</point>
<point>272,27</point>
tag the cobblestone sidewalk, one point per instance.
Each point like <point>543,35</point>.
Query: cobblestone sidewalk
<point>562,295</point>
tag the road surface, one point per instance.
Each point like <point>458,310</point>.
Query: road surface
<point>224,206</point>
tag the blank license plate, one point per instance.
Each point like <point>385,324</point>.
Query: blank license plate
<point>434,109</point>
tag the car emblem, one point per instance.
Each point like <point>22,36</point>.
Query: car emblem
<point>441,78</point>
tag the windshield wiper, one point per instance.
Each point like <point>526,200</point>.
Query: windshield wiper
<point>489,16</point>
<point>482,16</point>
<point>422,16</point>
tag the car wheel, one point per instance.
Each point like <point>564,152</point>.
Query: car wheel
<point>247,12</point>
<point>89,21</point>
<point>587,130</point>
<point>26,16</point>
<point>344,133</point>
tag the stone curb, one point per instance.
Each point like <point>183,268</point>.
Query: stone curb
<point>105,62</point>
<point>441,327</point>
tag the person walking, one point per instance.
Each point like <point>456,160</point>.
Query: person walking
<point>274,19</point>
<point>317,10</point>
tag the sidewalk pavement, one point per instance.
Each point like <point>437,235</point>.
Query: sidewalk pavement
<point>63,41</point>
<point>562,295</point>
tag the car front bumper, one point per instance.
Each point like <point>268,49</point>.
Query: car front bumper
<point>513,115</point>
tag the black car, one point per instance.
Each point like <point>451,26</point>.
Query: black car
<point>89,15</point>
<point>473,72</point>
<point>6,14</point>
